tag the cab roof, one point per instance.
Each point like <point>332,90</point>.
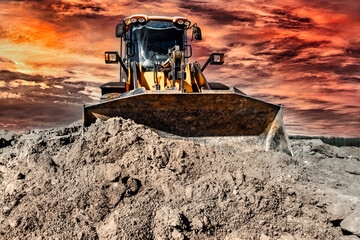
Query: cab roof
<point>137,16</point>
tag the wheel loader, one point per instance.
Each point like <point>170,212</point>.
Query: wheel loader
<point>161,89</point>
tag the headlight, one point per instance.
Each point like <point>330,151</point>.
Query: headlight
<point>217,58</point>
<point>141,20</point>
<point>133,20</point>
<point>180,21</point>
<point>111,57</point>
<point>187,23</point>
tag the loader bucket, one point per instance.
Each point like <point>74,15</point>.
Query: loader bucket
<point>199,116</point>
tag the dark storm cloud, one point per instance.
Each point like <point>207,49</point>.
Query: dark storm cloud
<point>8,76</point>
<point>21,114</point>
<point>280,49</point>
<point>348,7</point>
<point>72,16</point>
<point>61,6</point>
<point>40,88</point>
<point>334,118</point>
<point>283,18</point>
<point>318,102</point>
<point>351,79</point>
<point>325,67</point>
<point>319,114</point>
<point>270,97</point>
<point>353,50</point>
<point>254,73</point>
<point>29,104</point>
<point>351,107</point>
<point>337,91</point>
<point>285,55</point>
<point>219,16</point>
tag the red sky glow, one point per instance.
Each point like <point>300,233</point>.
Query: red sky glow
<point>303,54</point>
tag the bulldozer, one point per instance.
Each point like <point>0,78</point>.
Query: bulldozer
<point>161,89</point>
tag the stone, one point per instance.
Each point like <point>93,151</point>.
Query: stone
<point>197,224</point>
<point>188,192</point>
<point>352,223</point>
<point>264,237</point>
<point>338,210</point>
<point>287,236</point>
<point>176,235</point>
<point>349,237</point>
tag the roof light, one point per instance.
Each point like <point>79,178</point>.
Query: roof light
<point>180,21</point>
<point>187,23</point>
<point>133,20</point>
<point>141,20</point>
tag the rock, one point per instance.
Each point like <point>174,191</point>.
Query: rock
<point>197,224</point>
<point>14,222</point>
<point>14,188</point>
<point>189,192</point>
<point>264,237</point>
<point>6,138</point>
<point>132,186</point>
<point>80,235</point>
<point>287,236</point>
<point>338,210</point>
<point>352,223</point>
<point>350,237</point>
<point>165,220</point>
<point>114,192</point>
<point>177,235</point>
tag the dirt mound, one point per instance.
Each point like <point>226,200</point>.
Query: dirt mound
<point>120,180</point>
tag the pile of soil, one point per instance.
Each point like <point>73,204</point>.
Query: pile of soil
<point>120,180</point>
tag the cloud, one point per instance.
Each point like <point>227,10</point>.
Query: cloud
<point>9,95</point>
<point>29,101</point>
<point>284,18</point>
<point>6,60</point>
<point>353,50</point>
<point>325,122</point>
<point>9,76</point>
<point>19,115</point>
<point>64,6</point>
<point>280,49</point>
<point>218,15</point>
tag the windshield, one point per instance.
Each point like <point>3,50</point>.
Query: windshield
<point>153,40</point>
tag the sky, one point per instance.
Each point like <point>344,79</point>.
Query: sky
<point>304,54</point>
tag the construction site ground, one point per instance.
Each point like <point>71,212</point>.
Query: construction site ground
<point>120,180</point>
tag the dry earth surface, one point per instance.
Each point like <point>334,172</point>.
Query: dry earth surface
<point>120,180</point>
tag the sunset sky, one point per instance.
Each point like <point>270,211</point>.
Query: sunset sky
<point>304,54</point>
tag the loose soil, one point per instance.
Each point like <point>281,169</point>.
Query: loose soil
<point>120,180</point>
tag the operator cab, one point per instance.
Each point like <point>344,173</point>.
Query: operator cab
<point>148,39</point>
<point>151,41</point>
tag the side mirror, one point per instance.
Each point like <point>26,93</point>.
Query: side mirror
<point>111,57</point>
<point>197,33</point>
<point>120,30</point>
